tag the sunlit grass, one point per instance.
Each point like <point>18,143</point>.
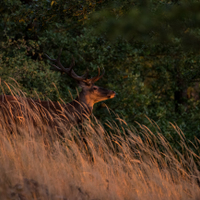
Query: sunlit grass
<point>42,162</point>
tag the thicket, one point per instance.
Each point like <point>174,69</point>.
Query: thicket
<point>149,49</point>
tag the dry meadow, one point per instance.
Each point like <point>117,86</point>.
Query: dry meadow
<point>95,161</point>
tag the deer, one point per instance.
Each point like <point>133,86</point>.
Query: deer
<point>80,108</point>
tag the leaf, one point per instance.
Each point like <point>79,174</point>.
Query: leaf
<point>21,20</point>
<point>52,3</point>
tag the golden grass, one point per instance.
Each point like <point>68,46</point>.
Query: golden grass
<point>121,163</point>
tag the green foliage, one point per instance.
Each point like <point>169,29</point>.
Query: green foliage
<point>149,50</point>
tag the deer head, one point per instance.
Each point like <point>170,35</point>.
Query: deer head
<point>90,93</point>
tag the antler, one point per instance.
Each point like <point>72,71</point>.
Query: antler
<point>96,78</point>
<point>71,72</point>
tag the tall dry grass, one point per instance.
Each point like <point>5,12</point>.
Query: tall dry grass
<point>42,162</point>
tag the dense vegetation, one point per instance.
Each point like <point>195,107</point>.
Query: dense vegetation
<point>149,49</point>
<point>150,52</point>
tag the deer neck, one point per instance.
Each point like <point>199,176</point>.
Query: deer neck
<point>84,102</point>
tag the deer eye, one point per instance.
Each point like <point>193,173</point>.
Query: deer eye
<point>94,88</point>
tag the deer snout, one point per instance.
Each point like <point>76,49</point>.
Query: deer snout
<point>111,95</point>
